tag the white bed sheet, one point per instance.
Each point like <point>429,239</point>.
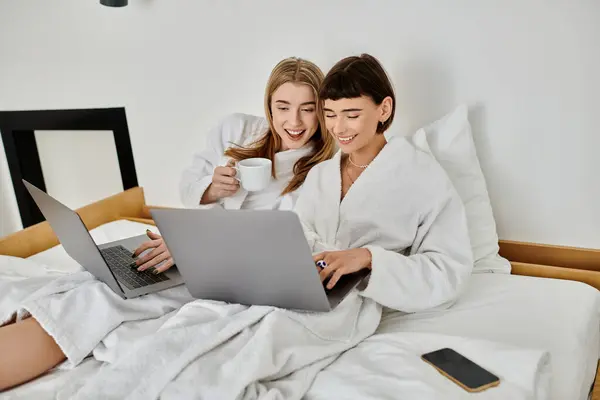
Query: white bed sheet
<point>560,316</point>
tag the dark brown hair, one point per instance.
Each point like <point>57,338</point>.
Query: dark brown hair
<point>299,71</point>
<point>358,76</point>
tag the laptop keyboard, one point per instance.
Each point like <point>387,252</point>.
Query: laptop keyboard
<point>121,262</point>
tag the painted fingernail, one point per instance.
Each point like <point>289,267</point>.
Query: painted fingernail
<point>156,272</point>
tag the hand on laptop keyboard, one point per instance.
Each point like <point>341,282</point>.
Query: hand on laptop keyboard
<point>320,265</point>
<point>119,260</point>
<point>335,264</point>
<point>157,253</point>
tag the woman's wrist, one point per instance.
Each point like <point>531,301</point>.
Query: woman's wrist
<point>367,257</point>
<point>207,196</point>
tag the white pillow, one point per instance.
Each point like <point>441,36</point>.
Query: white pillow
<point>450,141</point>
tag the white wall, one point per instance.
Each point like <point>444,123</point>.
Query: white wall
<point>529,69</point>
<point>9,216</point>
<point>79,167</point>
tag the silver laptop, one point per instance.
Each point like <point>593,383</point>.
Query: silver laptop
<point>112,263</point>
<point>248,257</point>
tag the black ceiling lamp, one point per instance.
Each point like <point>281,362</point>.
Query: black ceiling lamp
<point>114,3</point>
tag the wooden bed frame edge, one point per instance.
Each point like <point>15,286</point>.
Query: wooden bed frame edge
<point>40,237</point>
<point>530,259</point>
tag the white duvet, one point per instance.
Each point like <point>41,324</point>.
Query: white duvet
<point>251,361</point>
<point>255,361</point>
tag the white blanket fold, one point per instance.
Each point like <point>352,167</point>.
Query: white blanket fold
<point>79,311</point>
<point>212,350</point>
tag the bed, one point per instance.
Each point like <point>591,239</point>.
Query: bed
<point>560,315</point>
<point>527,315</point>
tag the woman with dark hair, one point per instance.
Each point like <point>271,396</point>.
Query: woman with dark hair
<point>383,206</point>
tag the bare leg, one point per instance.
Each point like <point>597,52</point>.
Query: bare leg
<point>26,351</point>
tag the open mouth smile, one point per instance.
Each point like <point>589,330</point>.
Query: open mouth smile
<point>295,134</point>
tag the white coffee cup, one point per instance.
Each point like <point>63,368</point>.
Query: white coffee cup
<point>254,174</point>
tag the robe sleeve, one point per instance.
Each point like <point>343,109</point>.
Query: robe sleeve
<point>196,179</point>
<point>438,265</point>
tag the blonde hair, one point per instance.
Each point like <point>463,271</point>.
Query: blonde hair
<point>294,70</point>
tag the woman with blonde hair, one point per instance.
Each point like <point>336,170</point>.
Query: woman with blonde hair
<point>291,136</point>
<point>51,320</point>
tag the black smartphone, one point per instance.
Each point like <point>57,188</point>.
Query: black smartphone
<point>461,370</point>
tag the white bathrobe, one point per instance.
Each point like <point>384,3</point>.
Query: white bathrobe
<point>402,208</point>
<point>239,129</point>
<point>68,307</point>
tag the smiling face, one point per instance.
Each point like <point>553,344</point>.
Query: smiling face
<point>358,104</point>
<point>353,121</point>
<point>293,107</point>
